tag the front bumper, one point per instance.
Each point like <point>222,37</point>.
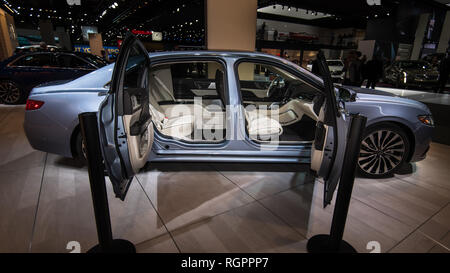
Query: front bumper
<point>423,136</point>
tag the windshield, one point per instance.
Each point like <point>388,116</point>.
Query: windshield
<point>415,65</point>
<point>335,63</point>
<point>95,60</point>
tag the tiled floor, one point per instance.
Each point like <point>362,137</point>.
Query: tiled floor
<point>45,203</point>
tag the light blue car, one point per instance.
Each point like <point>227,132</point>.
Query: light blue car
<point>224,107</point>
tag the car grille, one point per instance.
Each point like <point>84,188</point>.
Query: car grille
<point>426,77</point>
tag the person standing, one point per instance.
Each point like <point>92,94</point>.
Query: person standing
<point>444,71</point>
<point>104,55</point>
<point>374,72</point>
<point>351,69</point>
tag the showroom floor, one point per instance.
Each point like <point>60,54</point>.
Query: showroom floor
<point>46,203</point>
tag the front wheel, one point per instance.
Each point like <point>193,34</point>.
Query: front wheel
<point>11,93</point>
<point>384,149</point>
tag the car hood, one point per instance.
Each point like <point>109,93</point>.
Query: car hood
<point>421,71</point>
<point>371,95</point>
<point>93,81</point>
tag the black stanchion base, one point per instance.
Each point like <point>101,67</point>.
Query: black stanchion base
<point>117,246</point>
<point>320,244</point>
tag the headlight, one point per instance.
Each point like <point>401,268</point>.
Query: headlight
<point>405,76</point>
<point>426,119</point>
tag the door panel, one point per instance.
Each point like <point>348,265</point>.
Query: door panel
<point>126,130</point>
<point>329,144</point>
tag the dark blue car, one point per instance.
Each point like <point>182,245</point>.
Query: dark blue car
<point>21,72</point>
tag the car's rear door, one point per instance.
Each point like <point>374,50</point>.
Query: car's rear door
<point>125,127</point>
<point>329,144</point>
<point>33,69</point>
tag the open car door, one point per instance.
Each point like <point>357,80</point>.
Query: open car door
<point>125,128</point>
<point>329,145</point>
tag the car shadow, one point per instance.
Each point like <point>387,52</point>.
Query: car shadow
<point>187,194</point>
<point>70,163</point>
<point>405,169</point>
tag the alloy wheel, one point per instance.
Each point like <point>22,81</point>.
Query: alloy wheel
<point>381,151</point>
<point>83,148</point>
<point>9,92</point>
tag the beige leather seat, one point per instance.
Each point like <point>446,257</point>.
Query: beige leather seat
<point>178,120</point>
<point>262,127</point>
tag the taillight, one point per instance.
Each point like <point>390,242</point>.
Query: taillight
<point>33,104</point>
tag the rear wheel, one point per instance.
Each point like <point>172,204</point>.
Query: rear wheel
<point>10,93</point>
<point>383,150</point>
<point>80,149</point>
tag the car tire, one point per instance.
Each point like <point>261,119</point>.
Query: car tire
<point>11,93</point>
<point>384,149</point>
<point>80,156</point>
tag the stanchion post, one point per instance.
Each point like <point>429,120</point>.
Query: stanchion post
<point>334,241</point>
<point>106,243</point>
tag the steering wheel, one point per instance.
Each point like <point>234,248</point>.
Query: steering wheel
<point>274,83</point>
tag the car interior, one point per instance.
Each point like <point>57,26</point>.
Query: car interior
<point>278,105</point>
<point>187,101</point>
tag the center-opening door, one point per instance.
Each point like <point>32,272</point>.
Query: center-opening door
<point>329,145</point>
<point>125,127</point>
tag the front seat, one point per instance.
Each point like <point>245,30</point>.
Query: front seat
<point>261,127</point>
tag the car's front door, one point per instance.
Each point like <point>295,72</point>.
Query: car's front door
<point>328,148</point>
<point>126,130</point>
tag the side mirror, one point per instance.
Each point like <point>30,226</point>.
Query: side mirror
<point>347,95</point>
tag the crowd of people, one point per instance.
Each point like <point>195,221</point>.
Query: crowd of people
<point>357,69</point>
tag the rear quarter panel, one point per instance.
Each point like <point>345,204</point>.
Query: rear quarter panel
<point>50,128</point>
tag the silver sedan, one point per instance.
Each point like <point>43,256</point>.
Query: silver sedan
<point>231,107</point>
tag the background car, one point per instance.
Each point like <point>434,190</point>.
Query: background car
<point>21,72</point>
<point>419,74</point>
<point>336,68</point>
<point>395,125</point>
<point>34,48</point>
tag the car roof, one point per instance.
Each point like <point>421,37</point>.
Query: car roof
<point>216,53</point>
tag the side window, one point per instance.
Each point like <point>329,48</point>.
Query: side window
<point>135,70</point>
<point>35,60</point>
<point>187,80</point>
<point>270,83</point>
<point>69,61</point>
